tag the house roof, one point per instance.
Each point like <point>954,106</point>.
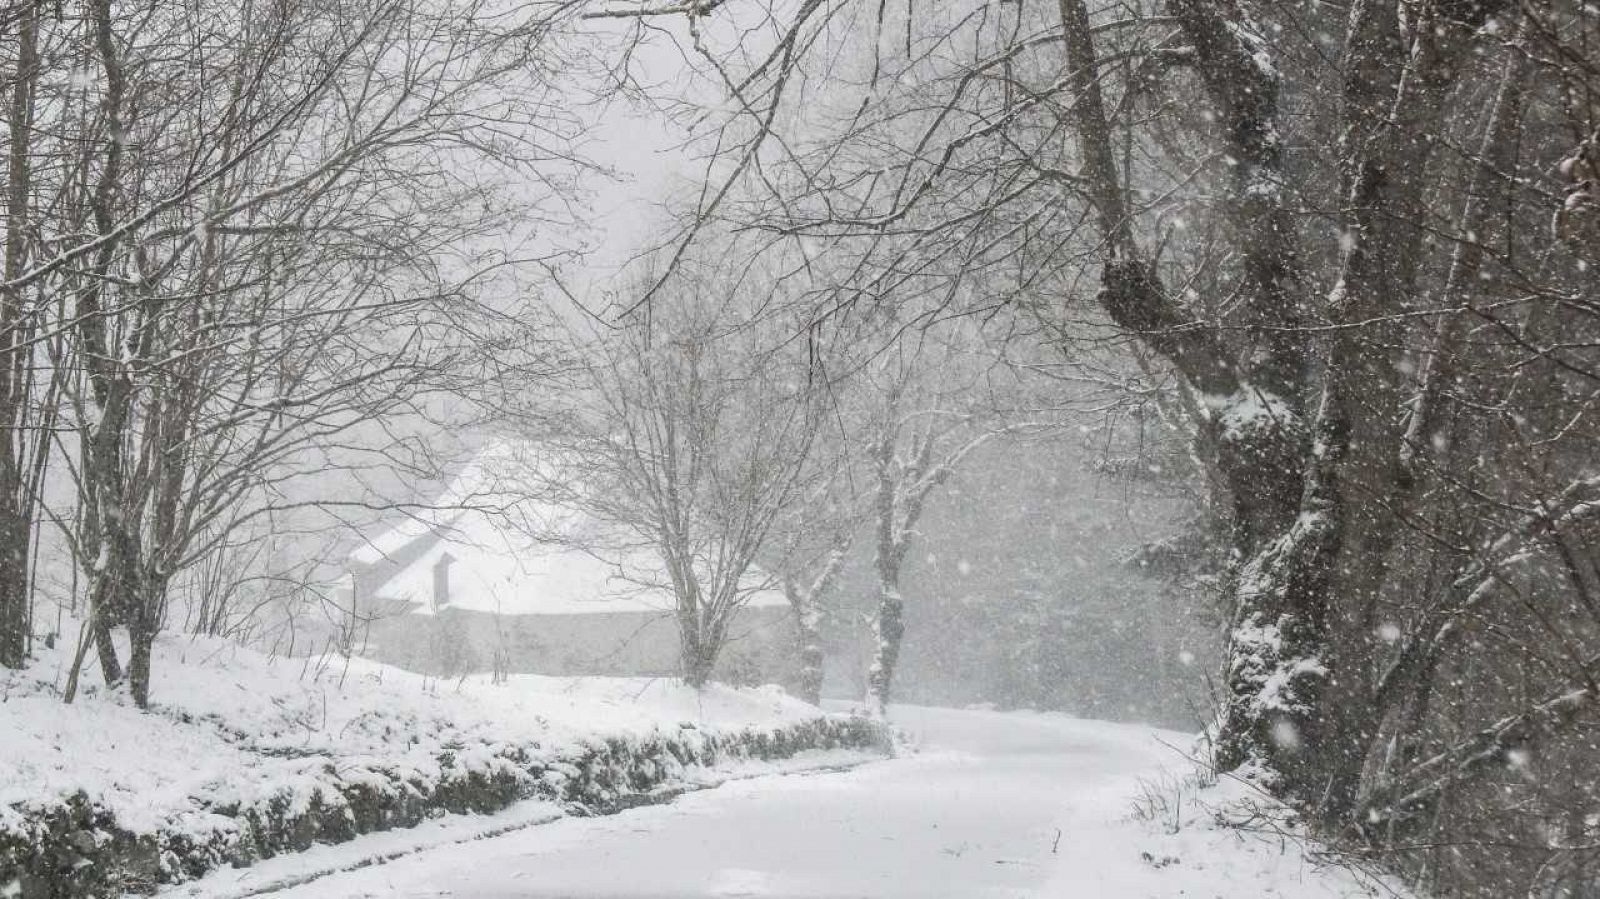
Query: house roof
<point>514,554</point>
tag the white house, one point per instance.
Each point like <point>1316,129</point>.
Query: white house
<point>488,578</point>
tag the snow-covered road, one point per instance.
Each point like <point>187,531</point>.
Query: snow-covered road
<point>992,804</point>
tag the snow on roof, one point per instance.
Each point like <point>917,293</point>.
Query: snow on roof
<point>398,538</point>
<point>512,553</point>
<point>486,483</point>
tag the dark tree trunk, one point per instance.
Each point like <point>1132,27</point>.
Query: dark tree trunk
<point>106,648</point>
<point>1311,455</point>
<point>13,590</point>
<point>700,642</point>
<point>888,632</point>
<point>16,502</point>
<point>141,639</point>
<point>808,640</point>
<point>143,625</point>
<point>697,665</point>
<point>689,652</point>
<point>807,605</point>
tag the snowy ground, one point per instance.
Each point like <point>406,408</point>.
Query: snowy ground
<point>991,805</point>
<point>231,725</point>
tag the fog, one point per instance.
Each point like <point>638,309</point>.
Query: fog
<point>1146,425</point>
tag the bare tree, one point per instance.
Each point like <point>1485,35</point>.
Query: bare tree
<point>690,439</point>
<point>813,543</point>
<point>808,600</point>
<point>268,241</point>
<point>29,383</point>
<point>1358,241</point>
<point>935,406</point>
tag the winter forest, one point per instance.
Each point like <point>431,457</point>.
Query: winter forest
<point>814,448</point>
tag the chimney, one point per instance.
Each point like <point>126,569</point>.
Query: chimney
<point>441,581</point>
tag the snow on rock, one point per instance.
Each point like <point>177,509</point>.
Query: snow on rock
<point>1249,411</point>
<point>1277,691</point>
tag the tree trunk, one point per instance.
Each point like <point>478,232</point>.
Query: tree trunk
<point>808,638</point>
<point>15,499</point>
<point>1314,518</point>
<point>697,665</point>
<point>697,652</point>
<point>1256,428</point>
<point>149,608</point>
<point>13,591</point>
<point>887,633</point>
<point>106,648</point>
<point>141,637</point>
<point>103,616</point>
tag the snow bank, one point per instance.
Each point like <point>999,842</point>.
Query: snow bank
<point>1202,837</point>
<point>243,757</point>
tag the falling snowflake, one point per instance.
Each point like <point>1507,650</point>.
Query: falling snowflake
<point>1285,735</point>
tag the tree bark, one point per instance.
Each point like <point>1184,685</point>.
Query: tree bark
<point>808,640</point>
<point>696,660</point>
<point>16,503</point>
<point>1314,506</point>
<point>141,638</point>
<point>888,632</point>
<point>806,601</point>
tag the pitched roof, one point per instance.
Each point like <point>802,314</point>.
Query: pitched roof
<point>516,554</point>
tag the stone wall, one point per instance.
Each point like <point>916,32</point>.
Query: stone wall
<point>76,850</point>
